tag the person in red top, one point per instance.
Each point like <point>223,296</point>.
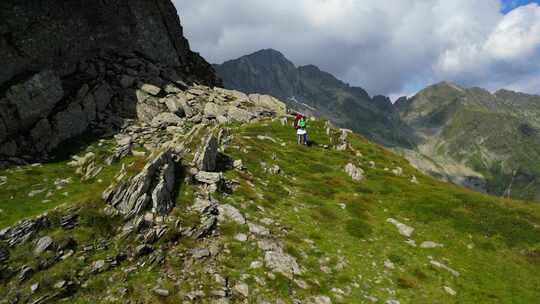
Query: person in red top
<point>300,127</point>
<point>297,117</point>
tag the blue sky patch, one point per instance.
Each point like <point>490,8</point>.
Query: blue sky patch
<point>508,5</point>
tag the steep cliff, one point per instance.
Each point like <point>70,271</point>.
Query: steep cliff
<point>73,66</point>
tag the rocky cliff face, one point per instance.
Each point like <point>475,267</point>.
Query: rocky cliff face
<point>78,66</point>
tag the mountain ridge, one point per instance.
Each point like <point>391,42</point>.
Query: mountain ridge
<point>494,134</point>
<point>321,91</point>
<point>420,127</point>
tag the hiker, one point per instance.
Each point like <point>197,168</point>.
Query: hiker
<point>297,117</point>
<point>301,131</point>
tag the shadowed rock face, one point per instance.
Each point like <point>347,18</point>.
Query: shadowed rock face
<point>73,66</point>
<point>40,34</point>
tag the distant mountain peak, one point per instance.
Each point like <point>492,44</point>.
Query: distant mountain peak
<point>451,85</point>
<point>267,52</point>
<point>308,88</point>
<point>310,67</point>
<point>442,86</point>
<point>268,56</point>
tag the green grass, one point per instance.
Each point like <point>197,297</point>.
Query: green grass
<point>335,227</point>
<point>16,203</point>
<point>498,231</point>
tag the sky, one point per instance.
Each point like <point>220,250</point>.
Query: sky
<point>393,48</point>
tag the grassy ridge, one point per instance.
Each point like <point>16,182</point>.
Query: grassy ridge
<point>336,229</point>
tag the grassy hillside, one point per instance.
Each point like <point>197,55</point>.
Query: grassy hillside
<point>34,189</point>
<point>335,228</point>
<point>496,135</point>
<point>498,154</point>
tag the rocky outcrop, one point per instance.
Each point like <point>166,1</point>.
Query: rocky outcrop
<point>86,166</point>
<point>403,229</point>
<point>43,244</point>
<point>228,212</point>
<point>205,158</point>
<point>4,255</point>
<point>24,230</point>
<point>124,146</point>
<point>71,67</point>
<point>343,142</point>
<point>152,188</point>
<point>277,260</point>
<point>355,173</point>
<point>269,102</point>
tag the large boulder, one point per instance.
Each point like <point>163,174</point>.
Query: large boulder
<point>269,102</point>
<point>355,173</point>
<point>213,110</point>
<point>43,244</point>
<point>177,104</point>
<point>228,212</point>
<point>239,115</point>
<point>232,94</point>
<point>209,177</point>
<point>403,229</point>
<point>147,106</point>
<point>166,119</point>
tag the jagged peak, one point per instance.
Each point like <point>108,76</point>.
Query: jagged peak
<point>268,52</point>
<point>264,56</point>
<point>310,67</point>
<point>437,87</point>
<point>449,84</point>
<point>512,92</point>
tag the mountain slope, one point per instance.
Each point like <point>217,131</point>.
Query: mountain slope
<point>199,194</point>
<point>496,135</point>
<point>287,223</point>
<point>486,142</point>
<point>311,90</point>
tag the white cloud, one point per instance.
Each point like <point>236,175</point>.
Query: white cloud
<point>506,55</point>
<point>387,47</point>
<point>517,35</point>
